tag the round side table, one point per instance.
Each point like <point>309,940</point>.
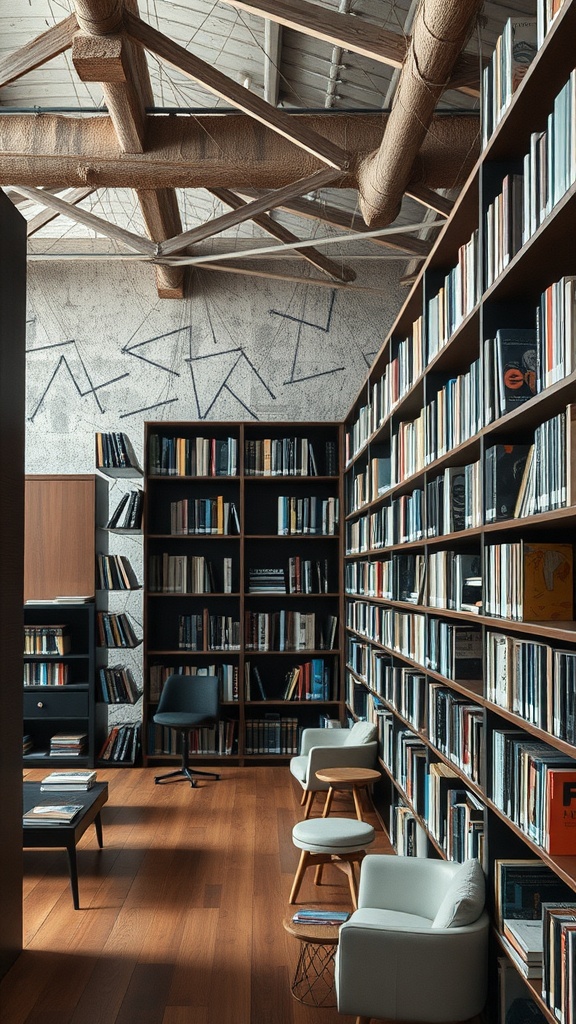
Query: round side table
<point>346,778</point>
<point>313,982</point>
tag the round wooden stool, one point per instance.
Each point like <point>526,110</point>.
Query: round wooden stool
<point>346,778</point>
<point>338,841</point>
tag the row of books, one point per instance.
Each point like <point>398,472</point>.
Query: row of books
<point>116,685</point>
<point>219,738</point>
<point>406,833</point>
<point>204,515</point>
<point>122,744</point>
<point>451,813</point>
<point>205,632</point>
<point>312,515</point>
<point>188,574</point>
<point>114,629</point>
<point>535,786</point>
<point>405,367</point>
<point>227,676</point>
<point>310,680</point>
<point>533,680</point>
<point>272,734</point>
<point>46,640</point>
<point>517,363</point>
<point>302,576</point>
<point>128,512</point>
<point>515,50</point>
<point>287,630</point>
<point>289,456</point>
<point>455,725</point>
<point>192,456</point>
<point>519,480</point>
<point>527,198</point>
<point>114,572</point>
<point>521,581</point>
<point>455,299</point>
<point>46,673</point>
<point>398,578</point>
<point>529,582</point>
<point>114,451</point>
<point>404,632</point>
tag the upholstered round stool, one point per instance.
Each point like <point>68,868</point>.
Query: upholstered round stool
<point>338,841</point>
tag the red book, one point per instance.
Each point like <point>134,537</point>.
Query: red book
<point>561,811</point>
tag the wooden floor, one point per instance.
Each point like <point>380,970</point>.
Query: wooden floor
<point>181,912</point>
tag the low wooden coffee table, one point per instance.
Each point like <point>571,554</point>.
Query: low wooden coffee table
<point>313,982</point>
<point>346,778</point>
<point>52,836</point>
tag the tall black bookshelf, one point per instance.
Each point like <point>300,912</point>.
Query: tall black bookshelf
<point>243,563</point>
<point>441,658</point>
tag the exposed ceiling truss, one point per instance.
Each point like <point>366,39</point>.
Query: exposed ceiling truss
<point>261,159</point>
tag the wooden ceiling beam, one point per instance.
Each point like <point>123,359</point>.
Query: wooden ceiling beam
<point>190,259</point>
<point>248,211</point>
<point>220,85</point>
<point>428,197</point>
<point>272,58</point>
<point>39,50</point>
<point>162,219</point>
<point>106,60</point>
<point>119,66</point>
<point>210,151</point>
<point>90,220</point>
<point>352,33</point>
<point>41,219</point>
<point>313,209</point>
<point>336,271</point>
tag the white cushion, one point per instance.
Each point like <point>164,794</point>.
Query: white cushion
<point>464,899</point>
<point>332,835</point>
<point>361,732</point>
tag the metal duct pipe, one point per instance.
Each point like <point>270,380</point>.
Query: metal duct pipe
<point>441,28</point>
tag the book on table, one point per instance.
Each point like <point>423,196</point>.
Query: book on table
<point>68,780</point>
<point>314,916</point>
<point>51,814</point>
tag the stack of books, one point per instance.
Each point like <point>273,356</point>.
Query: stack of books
<point>68,744</point>
<point>266,581</point>
<point>51,814</point>
<point>72,781</point>
<point>315,916</point>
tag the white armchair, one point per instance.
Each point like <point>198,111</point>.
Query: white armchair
<point>332,748</point>
<point>416,948</point>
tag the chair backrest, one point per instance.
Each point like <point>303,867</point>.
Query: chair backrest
<point>195,694</point>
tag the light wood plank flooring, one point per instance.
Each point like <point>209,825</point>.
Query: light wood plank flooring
<point>181,912</point>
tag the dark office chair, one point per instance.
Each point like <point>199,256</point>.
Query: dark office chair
<point>185,703</point>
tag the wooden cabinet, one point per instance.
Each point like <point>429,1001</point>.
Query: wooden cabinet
<point>59,562</point>
<point>242,556</point>
<point>460,506</point>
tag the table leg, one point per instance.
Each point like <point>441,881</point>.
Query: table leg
<point>357,803</point>
<point>313,982</point>
<point>98,827</point>
<point>328,803</point>
<point>73,866</point>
